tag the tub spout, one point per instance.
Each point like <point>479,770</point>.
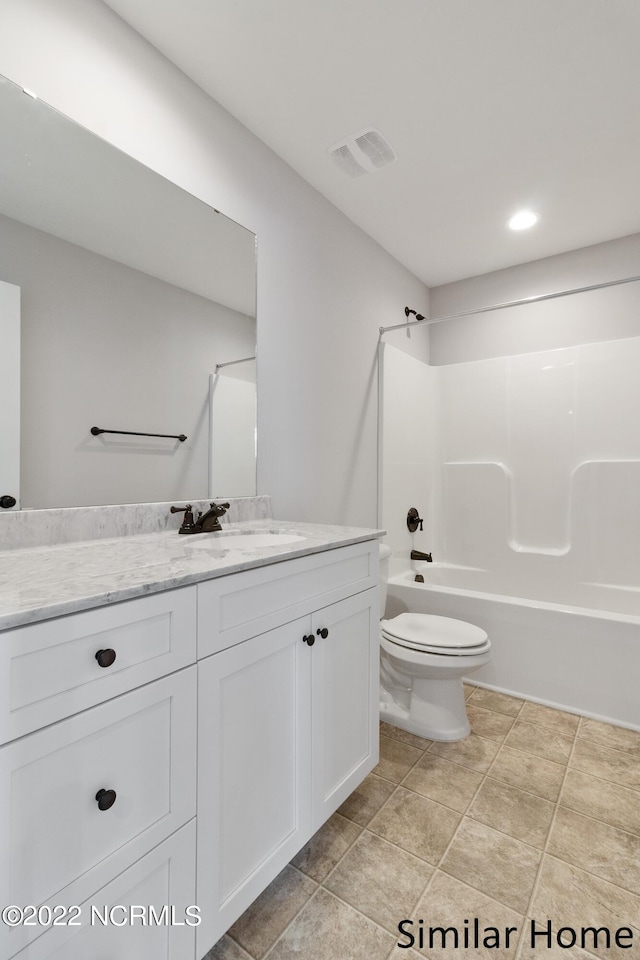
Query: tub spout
<point>419,555</point>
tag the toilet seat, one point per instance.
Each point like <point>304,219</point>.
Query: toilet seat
<point>432,634</point>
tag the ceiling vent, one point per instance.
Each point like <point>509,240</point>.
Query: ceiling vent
<point>362,152</point>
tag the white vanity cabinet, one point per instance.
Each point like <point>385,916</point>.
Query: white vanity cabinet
<point>84,799</point>
<point>165,757</point>
<point>287,718</point>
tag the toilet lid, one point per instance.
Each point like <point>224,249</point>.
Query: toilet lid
<point>424,631</point>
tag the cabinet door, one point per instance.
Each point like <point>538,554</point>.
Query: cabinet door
<point>253,770</point>
<point>145,912</point>
<point>345,700</point>
<point>60,840</point>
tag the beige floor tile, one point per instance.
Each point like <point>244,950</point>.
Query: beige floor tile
<point>473,752</point>
<point>401,953</point>
<point>606,763</point>
<point>379,880</point>
<point>396,759</point>
<point>416,824</point>
<point>597,847</point>
<point>539,741</point>
<point>227,949</point>
<point>501,867</point>
<point>512,811</point>
<point>468,689</point>
<point>328,929</point>
<point>320,855</point>
<point>388,730</point>
<point>498,702</point>
<point>260,926</point>
<point>542,777</point>
<point>443,781</point>
<point>610,736</point>
<point>602,800</point>
<point>558,720</point>
<point>449,903</point>
<point>487,723</point>
<point>569,896</point>
<point>366,800</point>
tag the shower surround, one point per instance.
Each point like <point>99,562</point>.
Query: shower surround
<point>527,471</point>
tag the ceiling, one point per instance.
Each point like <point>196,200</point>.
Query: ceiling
<point>490,105</point>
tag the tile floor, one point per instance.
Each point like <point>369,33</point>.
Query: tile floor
<point>534,816</point>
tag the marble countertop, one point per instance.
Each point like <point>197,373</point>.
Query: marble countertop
<point>37,583</point>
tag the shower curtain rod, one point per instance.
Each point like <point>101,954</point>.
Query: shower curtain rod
<point>509,303</point>
<point>230,363</point>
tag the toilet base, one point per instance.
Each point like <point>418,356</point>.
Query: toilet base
<point>436,710</point>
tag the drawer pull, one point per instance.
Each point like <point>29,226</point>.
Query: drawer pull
<point>106,799</point>
<point>310,639</point>
<point>324,633</point>
<point>106,657</point>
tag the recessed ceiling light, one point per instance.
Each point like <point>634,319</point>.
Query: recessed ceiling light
<point>523,220</point>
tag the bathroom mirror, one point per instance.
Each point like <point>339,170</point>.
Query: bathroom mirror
<point>137,314</point>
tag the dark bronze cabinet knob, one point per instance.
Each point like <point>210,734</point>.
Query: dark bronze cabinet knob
<point>310,639</point>
<point>106,657</point>
<point>323,632</point>
<point>106,799</point>
<point>7,501</point>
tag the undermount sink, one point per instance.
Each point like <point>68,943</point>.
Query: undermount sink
<point>243,541</point>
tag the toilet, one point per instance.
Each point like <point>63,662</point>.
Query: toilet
<point>423,659</point>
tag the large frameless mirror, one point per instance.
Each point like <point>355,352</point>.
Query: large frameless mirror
<point>128,305</point>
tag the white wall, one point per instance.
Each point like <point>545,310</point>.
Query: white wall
<point>608,314</point>
<point>324,288</point>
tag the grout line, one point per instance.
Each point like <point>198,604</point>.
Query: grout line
<point>450,844</point>
<point>236,944</point>
<point>292,921</point>
<point>529,793</point>
<point>342,855</point>
<point>610,783</point>
<point>536,881</point>
<point>604,823</point>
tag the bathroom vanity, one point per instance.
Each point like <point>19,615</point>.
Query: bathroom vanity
<point>176,721</point>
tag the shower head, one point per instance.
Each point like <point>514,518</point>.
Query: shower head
<point>418,316</point>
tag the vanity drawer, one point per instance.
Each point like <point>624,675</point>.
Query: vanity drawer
<point>163,878</point>
<point>242,605</point>
<point>56,844</point>
<point>49,670</point>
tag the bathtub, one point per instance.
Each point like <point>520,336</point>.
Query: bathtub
<point>582,656</point>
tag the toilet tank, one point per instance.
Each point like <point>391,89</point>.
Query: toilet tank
<point>385,554</point>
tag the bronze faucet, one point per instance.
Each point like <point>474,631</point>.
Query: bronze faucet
<point>205,522</point>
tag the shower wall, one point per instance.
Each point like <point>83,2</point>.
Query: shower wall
<point>407,469</point>
<point>540,459</point>
<point>527,466</point>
